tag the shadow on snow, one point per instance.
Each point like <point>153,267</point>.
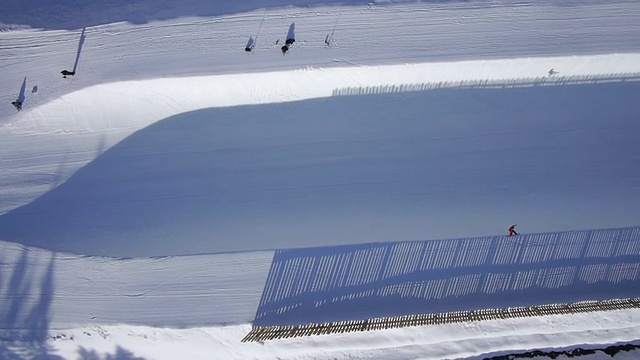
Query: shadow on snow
<point>74,14</point>
<point>25,302</point>
<point>120,354</point>
<point>492,84</point>
<point>352,169</point>
<point>27,292</point>
<point>358,282</point>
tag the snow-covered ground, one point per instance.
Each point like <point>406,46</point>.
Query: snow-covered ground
<point>191,161</point>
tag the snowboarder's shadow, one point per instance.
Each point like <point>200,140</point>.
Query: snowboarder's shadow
<point>20,100</point>
<point>291,38</point>
<point>65,72</point>
<point>328,40</point>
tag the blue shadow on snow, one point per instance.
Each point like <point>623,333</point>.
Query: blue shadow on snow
<point>352,169</point>
<point>74,14</point>
<point>357,282</point>
<point>25,308</point>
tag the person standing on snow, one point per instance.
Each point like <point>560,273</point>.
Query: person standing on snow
<point>512,230</point>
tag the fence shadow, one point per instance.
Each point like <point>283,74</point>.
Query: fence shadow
<point>357,282</point>
<point>552,80</point>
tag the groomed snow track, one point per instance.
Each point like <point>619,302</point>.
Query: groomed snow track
<point>282,332</point>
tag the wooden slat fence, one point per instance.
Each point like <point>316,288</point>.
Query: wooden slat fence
<point>283,332</point>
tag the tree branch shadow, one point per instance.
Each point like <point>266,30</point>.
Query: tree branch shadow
<point>25,308</point>
<point>120,354</point>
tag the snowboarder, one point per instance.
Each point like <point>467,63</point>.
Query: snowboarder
<point>291,38</point>
<point>250,44</point>
<point>67,72</point>
<point>512,230</point>
<point>552,72</point>
<point>17,104</point>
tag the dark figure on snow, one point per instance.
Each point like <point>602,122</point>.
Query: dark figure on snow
<point>512,230</point>
<point>67,72</point>
<point>290,41</point>
<point>284,49</point>
<point>17,104</point>
<point>250,44</point>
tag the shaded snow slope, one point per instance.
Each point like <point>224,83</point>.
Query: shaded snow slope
<point>327,171</point>
<point>74,14</point>
<point>67,123</point>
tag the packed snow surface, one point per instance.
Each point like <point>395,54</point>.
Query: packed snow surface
<point>145,200</point>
